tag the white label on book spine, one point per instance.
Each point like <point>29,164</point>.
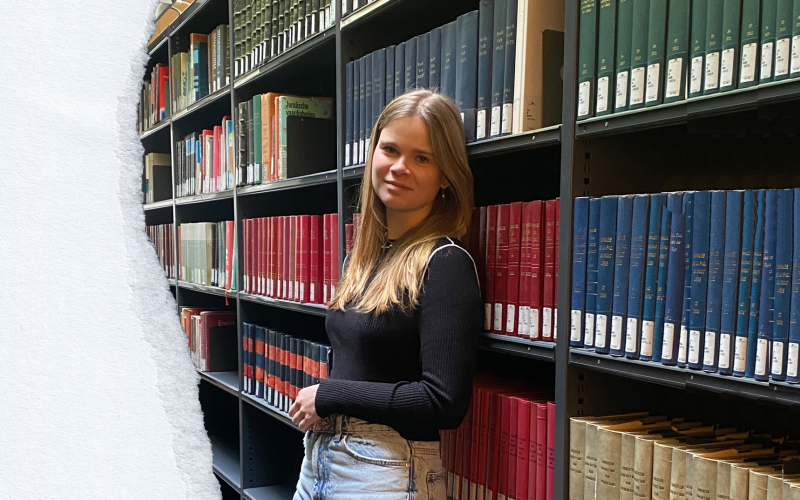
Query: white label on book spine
<point>575,325</point>
<point>311,295</point>
<point>487,317</point>
<point>333,291</point>
<point>777,355</point>
<point>495,125</point>
<point>481,132</point>
<point>694,346</point>
<point>600,331</point>
<point>647,338</point>
<point>653,79</point>
<point>588,337</point>
<point>761,357</point>
<point>347,154</point>
<point>325,293</point>
<point>740,354</point>
<point>296,290</point>
<point>674,72</point>
<point>291,290</point>
<point>726,78</point>
<point>630,335</point>
<point>669,340</point>
<point>602,94</point>
<point>766,61</point>
<point>795,64</point>
<point>791,364</point>
<point>510,318</point>
<point>534,330</point>
<point>782,56</point>
<point>361,151</point>
<point>724,350</point>
<point>622,90</point>
<point>712,71</point>
<point>462,117</point>
<point>302,291</point>
<point>547,324</point>
<point>498,317</point>
<point>616,333</point>
<point>583,101</point>
<point>749,56</point>
<point>555,324</point>
<point>356,157</point>
<point>696,75</point>
<point>708,348</point>
<point>683,344</point>
<point>366,147</point>
<point>637,85</point>
<point>505,124</point>
<point>524,321</point>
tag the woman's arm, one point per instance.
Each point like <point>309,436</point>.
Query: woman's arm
<point>449,320</point>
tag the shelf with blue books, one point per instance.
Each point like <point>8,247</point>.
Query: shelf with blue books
<point>279,492</point>
<point>273,412</point>
<point>544,351</point>
<point>313,309</point>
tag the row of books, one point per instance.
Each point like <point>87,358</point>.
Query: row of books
<point>495,63</point>
<point>265,28</point>
<point>642,456</point>
<point>505,447</point>
<point>161,236</point>
<point>292,257</point>
<point>351,6</point>
<point>206,253</point>
<point>212,338</point>
<point>515,247</point>
<point>637,53</point>
<point>262,130</point>
<point>157,178</point>
<point>277,365</point>
<point>704,279</point>
<point>205,161</point>
<point>201,71</point>
<point>154,98</point>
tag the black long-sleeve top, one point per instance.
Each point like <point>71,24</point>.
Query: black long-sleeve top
<point>411,371</point>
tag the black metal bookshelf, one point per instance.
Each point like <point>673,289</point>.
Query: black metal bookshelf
<point>629,152</point>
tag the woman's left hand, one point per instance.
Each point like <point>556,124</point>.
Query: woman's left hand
<point>303,411</point>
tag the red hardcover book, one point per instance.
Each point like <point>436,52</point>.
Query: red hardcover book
<point>549,269</point>
<point>163,82</point>
<point>247,225</point>
<point>513,403</point>
<point>475,456</point>
<point>279,257</point>
<point>537,216</point>
<point>228,253</point>
<point>210,319</point>
<point>541,451</point>
<point>348,238</point>
<point>246,359</point>
<point>501,269</point>
<point>491,258</point>
<point>326,284</point>
<point>532,450</point>
<point>480,249</point>
<point>305,258</point>
<point>555,275</point>
<point>523,320</point>
<point>514,250</point>
<point>293,258</point>
<point>466,454</point>
<point>458,463</point>
<point>523,438</point>
<point>215,161</point>
<point>259,255</point>
<point>551,449</point>
<point>316,253</point>
<point>334,253</point>
<point>505,432</point>
<point>483,450</point>
<point>259,344</point>
<point>287,255</point>
<point>270,243</point>
<point>492,465</point>
<point>264,254</point>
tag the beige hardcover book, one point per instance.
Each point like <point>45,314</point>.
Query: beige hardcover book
<point>724,478</point>
<point>643,466</point>
<point>662,468</point>
<point>609,444</point>
<point>627,465</point>
<point>757,482</point>
<point>740,479</point>
<point>677,481</point>
<point>538,65</point>
<point>704,478</point>
<point>209,252</point>
<point>791,489</point>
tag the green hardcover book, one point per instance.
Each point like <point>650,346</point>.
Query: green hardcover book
<point>293,23</point>
<point>237,37</point>
<point>677,50</point>
<point>606,36</point>
<point>731,20</point>
<point>257,161</point>
<point>713,46</point>
<point>175,80</point>
<point>751,12</point>
<point>267,29</point>
<point>623,59</point>
<point>587,54</point>
<point>794,66</point>
<point>281,27</point>
<point>769,15</point>
<point>274,30</point>
<point>256,31</point>
<point>641,19</point>
<point>302,20</point>
<point>312,107</point>
<point>656,53</point>
<point>698,50</point>
<point>248,37</point>
<point>783,39</point>
<point>287,23</point>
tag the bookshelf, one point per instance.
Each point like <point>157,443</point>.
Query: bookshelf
<point>257,449</point>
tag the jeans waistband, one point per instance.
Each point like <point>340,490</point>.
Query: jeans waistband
<point>345,424</point>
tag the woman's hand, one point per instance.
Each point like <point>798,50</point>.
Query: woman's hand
<point>303,411</point>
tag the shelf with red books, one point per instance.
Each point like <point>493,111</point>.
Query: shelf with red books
<point>217,99</point>
<point>227,381</point>
<point>158,205</point>
<point>269,410</point>
<point>162,126</point>
<point>518,346</point>
<point>206,197</point>
<point>315,309</point>
<point>277,492</point>
<point>213,290</point>
<point>326,177</point>
<point>226,462</point>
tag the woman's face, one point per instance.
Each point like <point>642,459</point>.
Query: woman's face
<point>404,170</point>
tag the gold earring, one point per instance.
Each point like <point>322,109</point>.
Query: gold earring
<point>442,193</point>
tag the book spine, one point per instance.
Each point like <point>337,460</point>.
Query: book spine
<point>701,220</point>
<point>769,14</point>
<point>362,108</point>
<point>779,336</point>
<point>524,321</point>
<point>793,355</point>
<point>388,79</point>
<point>622,258</point>
<point>729,69</point>
<point>514,251</point>
<point>638,263</point>
<point>751,11</point>
<point>467,71</point>
<point>639,48</point>
<point>656,54</point>
<point>447,78</point>
<point>673,304</point>
<point>260,334</point>
<point>399,68</point>
<point>498,70</point>
<point>606,25</point>
<point>410,62</point>
<point>541,452</point>
<point>537,268</point>
<point>749,346</point>
<point>713,45</point>
<point>767,289</point>
<point>592,246</point>
<point>783,39</point>
<point>716,260</point>
<point>677,50</point>
<point>334,253</point>
<point>605,272</point>
<point>697,51</point>
<point>579,242</point>
<point>501,269</point>
<point>369,112</point>
<point>491,267</point>
<point>739,353</point>
<point>378,84</point>
<point>485,50</point>
<point>623,54</point>
<point>645,349</point>
<point>730,284</point>
<point>348,127</point>
<point>794,65</point>
<point>509,61</point>
<point>548,281</point>
<point>422,60</point>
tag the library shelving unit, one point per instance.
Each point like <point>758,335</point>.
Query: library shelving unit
<point>705,143</point>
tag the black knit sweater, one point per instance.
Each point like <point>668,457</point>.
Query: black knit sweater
<point>411,371</point>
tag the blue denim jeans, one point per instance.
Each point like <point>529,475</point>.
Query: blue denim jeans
<point>347,458</point>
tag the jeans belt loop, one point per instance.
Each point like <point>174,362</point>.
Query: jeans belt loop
<point>339,427</point>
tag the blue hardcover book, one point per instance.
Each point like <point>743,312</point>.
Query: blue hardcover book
<point>779,335</point>
<point>716,251</point>
<point>435,59</point>
<point>622,258</point>
<point>399,68</point>
<point>730,281</point>
<point>260,334</point>
<point>749,218</point>
<point>645,350</point>
<point>766,299</point>
<point>699,278</point>
<point>661,282</point>
<point>676,268</point>
<point>638,251</point>
<point>606,245</point>
<point>755,287</point>
<point>580,225</point>
<point>683,343</point>
<point>591,271</point>
<point>388,80</point>
<point>794,321</point>
<point>448,76</point>
<point>245,358</point>
<point>348,115</point>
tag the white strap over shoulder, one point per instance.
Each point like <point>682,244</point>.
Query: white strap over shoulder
<point>453,244</point>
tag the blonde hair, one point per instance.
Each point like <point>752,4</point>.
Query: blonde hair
<point>399,274</point>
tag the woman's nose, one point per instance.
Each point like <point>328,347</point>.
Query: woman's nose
<point>400,167</point>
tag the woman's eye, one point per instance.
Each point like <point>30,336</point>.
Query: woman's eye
<point>422,159</point>
<point>389,150</point>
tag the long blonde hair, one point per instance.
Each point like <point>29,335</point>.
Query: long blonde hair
<point>400,273</point>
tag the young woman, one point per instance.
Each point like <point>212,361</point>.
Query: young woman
<point>404,320</point>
